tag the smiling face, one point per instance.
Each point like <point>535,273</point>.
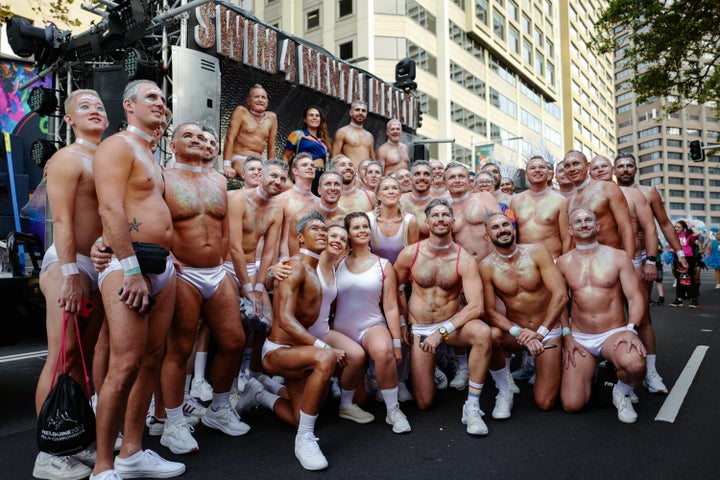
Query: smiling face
<point>422,177</point>
<point>312,119</point>
<point>314,236</point>
<point>388,191</point>
<point>257,99</point>
<point>189,143</point>
<point>576,167</point>
<point>86,113</point>
<point>147,106</point>
<point>536,171</point>
<point>440,220</point>
<point>337,240</point>
<point>394,131</point>
<point>252,173</point>
<point>500,231</point>
<point>330,187</point>
<point>457,181</point>
<point>403,176</point>
<point>583,225</point>
<point>273,180</point>
<point>358,230</point>
<point>484,182</point>
<point>358,113</point>
<point>601,169</point>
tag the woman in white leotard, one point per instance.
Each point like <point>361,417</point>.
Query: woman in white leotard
<point>392,230</point>
<point>367,296</point>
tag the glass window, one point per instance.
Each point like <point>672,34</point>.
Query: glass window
<point>539,64</point>
<point>514,39</point>
<point>481,11</point>
<point>392,7</point>
<point>312,19</point>
<point>675,181</point>
<point>421,16</point>
<point>390,48</point>
<point>499,25</point>
<point>526,24</point>
<point>512,10</point>
<point>345,50</point>
<point>677,193</point>
<point>500,101</point>
<point>696,194</point>
<point>677,206</point>
<point>674,168</point>
<point>345,7</point>
<point>527,52</point>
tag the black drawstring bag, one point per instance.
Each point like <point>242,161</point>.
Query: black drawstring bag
<point>66,424</point>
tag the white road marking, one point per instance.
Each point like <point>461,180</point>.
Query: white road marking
<point>671,406</point>
<point>22,356</point>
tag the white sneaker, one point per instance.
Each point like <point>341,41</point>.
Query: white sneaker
<point>178,438</point>
<point>308,452</point>
<point>503,405</point>
<point>249,396</point>
<point>356,414</point>
<point>118,442</point>
<point>404,394</point>
<point>192,408</point>
<point>200,388</point>
<point>626,412</point>
<point>155,425</point>
<point>633,397</point>
<point>106,475</point>
<point>87,456</point>
<point>511,383</point>
<point>472,417</point>
<point>717,286</point>
<point>397,419</point>
<point>53,467</point>
<point>226,420</point>
<point>441,381</point>
<point>653,382</point>
<point>147,464</point>
<point>335,387</point>
<point>461,379</point>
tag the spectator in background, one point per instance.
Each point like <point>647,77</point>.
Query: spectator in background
<point>312,138</point>
<point>686,284</point>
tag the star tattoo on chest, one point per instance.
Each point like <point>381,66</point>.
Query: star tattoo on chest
<point>134,225</point>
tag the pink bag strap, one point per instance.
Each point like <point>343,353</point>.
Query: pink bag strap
<point>62,357</point>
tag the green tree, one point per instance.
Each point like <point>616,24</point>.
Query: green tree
<point>57,10</point>
<point>673,47</point>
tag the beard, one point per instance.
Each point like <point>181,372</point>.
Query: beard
<point>504,243</point>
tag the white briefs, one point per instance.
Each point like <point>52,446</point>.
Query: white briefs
<point>593,342</point>
<point>84,265</point>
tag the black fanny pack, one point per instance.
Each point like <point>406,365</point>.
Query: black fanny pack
<point>151,257</point>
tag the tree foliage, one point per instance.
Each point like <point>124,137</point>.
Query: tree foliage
<point>672,46</point>
<point>57,11</point>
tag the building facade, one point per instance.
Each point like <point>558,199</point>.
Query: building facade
<point>489,72</point>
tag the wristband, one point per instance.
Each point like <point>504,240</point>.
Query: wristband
<point>99,240</point>
<point>132,271</point>
<point>514,330</point>
<point>401,288</point>
<point>259,287</point>
<point>543,330</point>
<point>227,163</point>
<point>650,262</point>
<point>68,269</point>
<point>320,344</point>
<point>247,288</point>
<point>402,321</point>
<point>129,263</point>
<point>397,343</point>
<point>631,327</point>
<point>269,272</point>
<point>449,327</point>
<point>566,331</point>
<point>680,254</point>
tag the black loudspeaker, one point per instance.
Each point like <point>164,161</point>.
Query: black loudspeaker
<point>420,152</point>
<point>110,83</point>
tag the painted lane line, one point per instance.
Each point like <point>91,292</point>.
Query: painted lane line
<point>671,406</point>
<point>23,356</point>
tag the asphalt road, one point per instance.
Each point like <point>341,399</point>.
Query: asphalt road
<point>532,444</point>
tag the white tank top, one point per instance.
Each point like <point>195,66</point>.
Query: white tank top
<point>358,298</point>
<point>321,327</point>
<point>388,247</point>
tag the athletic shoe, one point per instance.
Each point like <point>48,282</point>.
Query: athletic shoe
<point>626,412</point>
<point>226,420</point>
<point>53,467</point>
<point>308,452</point>
<point>633,397</point>
<point>526,370</point>
<point>249,397</point>
<point>472,417</point>
<point>200,388</point>
<point>694,304</point>
<point>106,475</point>
<point>335,387</point>
<point>118,442</point>
<point>717,286</point>
<point>404,394</point>
<point>397,419</point>
<point>178,438</point>
<point>511,383</point>
<point>676,303</point>
<point>155,425</point>
<point>356,414</point>
<point>503,405</point>
<point>87,456</point>
<point>532,379</point>
<point>460,381</point>
<point>192,408</point>
<point>653,382</point>
<point>441,381</point>
<point>147,464</point>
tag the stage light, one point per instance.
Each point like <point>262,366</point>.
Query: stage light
<point>41,151</point>
<point>45,44</point>
<point>137,66</point>
<point>43,101</point>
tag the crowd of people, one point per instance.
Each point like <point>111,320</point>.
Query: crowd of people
<point>337,269</point>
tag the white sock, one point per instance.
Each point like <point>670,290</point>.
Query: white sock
<point>306,423</point>
<point>200,363</point>
<point>188,379</point>
<point>220,400</point>
<point>268,399</point>
<point>650,364</point>
<point>507,362</point>
<point>270,384</point>
<point>501,380</point>
<point>346,397</point>
<point>390,396</point>
<point>174,415</point>
<point>622,388</point>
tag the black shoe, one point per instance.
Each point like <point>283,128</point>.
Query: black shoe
<point>694,304</point>
<point>677,303</point>
<point>661,301</point>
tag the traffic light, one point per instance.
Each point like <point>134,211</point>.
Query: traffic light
<point>419,120</point>
<point>405,74</point>
<point>696,151</point>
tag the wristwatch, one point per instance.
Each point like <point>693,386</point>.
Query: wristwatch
<point>443,331</point>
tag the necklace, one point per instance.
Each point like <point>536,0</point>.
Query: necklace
<point>256,114</point>
<point>353,124</point>
<point>509,255</point>
<point>419,199</point>
<point>260,193</point>
<point>307,252</point>
<point>349,191</point>
<point>589,246</point>
<point>301,190</point>
<point>439,247</point>
<point>85,143</point>
<point>393,143</point>
<point>140,133</point>
<point>188,168</point>
<point>583,184</point>
<point>537,194</point>
<point>460,199</point>
<point>326,209</point>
